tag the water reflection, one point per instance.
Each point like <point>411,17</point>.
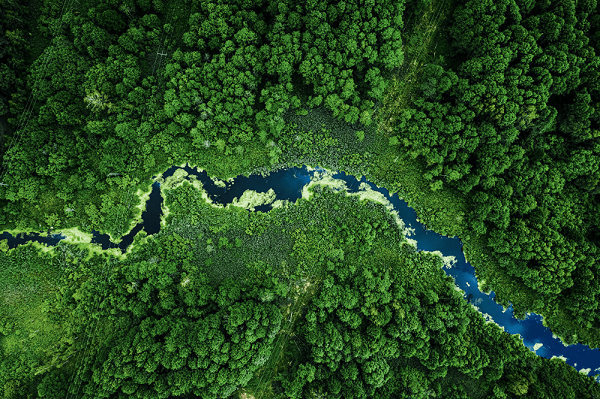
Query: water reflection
<point>13,241</point>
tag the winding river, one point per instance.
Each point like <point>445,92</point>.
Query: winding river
<point>288,185</point>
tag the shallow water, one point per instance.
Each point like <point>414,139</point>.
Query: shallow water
<point>288,184</point>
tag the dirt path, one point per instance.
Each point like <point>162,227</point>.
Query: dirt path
<point>399,95</point>
<point>405,83</point>
<point>301,294</point>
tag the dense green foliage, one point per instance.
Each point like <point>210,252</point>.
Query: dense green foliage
<point>124,89</point>
<point>182,335</point>
<point>319,298</point>
<point>169,320</point>
<point>514,123</point>
<point>34,338</point>
<point>13,51</point>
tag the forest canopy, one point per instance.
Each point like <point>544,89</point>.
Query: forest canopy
<point>99,96</point>
<point>512,121</point>
<point>121,90</point>
<point>202,309</point>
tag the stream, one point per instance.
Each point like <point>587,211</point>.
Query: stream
<point>288,184</point>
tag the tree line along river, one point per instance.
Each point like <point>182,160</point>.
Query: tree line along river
<point>288,185</point>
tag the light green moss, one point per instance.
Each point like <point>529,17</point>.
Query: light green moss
<point>251,199</point>
<point>480,284</point>
<point>144,197</point>
<point>218,182</point>
<point>193,180</point>
<point>449,261</point>
<point>74,236</point>
<point>325,179</point>
<point>175,180</point>
<point>367,193</point>
<point>15,232</point>
<point>42,247</point>
<point>280,203</point>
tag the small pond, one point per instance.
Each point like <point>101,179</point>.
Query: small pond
<point>288,184</point>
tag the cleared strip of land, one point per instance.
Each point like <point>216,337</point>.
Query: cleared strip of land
<point>398,96</point>
<point>407,81</point>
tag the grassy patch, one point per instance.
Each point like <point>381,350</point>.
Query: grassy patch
<point>29,280</point>
<point>38,330</point>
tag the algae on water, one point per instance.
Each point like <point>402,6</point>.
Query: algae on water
<point>251,199</point>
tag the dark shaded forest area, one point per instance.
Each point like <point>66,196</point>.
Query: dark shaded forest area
<point>96,97</point>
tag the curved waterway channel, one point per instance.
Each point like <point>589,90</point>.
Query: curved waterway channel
<point>288,185</point>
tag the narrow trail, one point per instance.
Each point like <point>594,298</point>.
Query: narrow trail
<point>301,294</point>
<point>398,96</point>
<point>406,82</point>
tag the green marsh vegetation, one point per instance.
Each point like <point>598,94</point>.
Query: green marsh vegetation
<point>499,147</point>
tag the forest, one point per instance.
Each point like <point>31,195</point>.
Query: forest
<point>319,298</point>
<point>494,138</point>
<point>514,125</point>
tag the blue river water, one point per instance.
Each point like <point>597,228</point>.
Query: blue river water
<point>288,184</point>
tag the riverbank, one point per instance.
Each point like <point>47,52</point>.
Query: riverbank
<point>227,238</point>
